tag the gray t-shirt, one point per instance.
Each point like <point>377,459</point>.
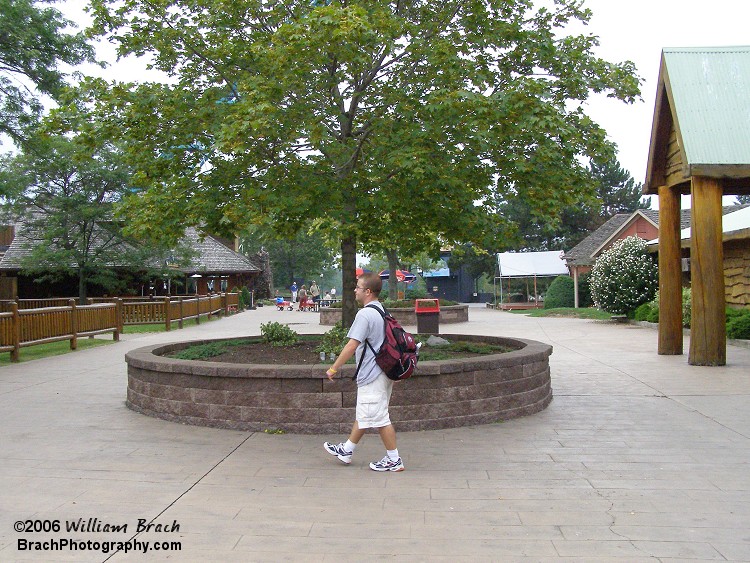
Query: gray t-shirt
<point>368,325</point>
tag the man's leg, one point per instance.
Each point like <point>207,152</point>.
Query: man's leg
<point>356,434</point>
<point>388,436</point>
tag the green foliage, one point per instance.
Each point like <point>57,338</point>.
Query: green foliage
<point>459,347</point>
<point>34,41</point>
<point>305,255</point>
<point>278,334</point>
<point>584,290</point>
<point>624,277</point>
<point>207,350</point>
<point>611,190</point>
<point>334,340</point>
<point>642,312</point>
<point>738,325</point>
<point>560,293</point>
<point>335,112</point>
<point>65,186</point>
<point>419,292</point>
<point>687,306</point>
<point>246,298</point>
<point>589,313</point>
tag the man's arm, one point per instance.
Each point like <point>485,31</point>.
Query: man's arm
<point>344,357</point>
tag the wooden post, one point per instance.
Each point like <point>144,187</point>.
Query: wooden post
<point>575,287</point>
<point>670,273</point>
<point>118,316</point>
<point>16,352</point>
<point>168,313</point>
<point>182,314</point>
<point>73,325</point>
<point>708,333</point>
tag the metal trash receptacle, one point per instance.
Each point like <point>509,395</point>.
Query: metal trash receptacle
<point>428,315</point>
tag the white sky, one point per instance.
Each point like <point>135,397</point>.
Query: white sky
<point>636,30</point>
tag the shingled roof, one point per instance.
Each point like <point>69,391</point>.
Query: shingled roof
<point>585,252</point>
<point>214,257</point>
<point>211,256</point>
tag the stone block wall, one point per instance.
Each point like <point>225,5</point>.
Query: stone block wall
<point>300,399</point>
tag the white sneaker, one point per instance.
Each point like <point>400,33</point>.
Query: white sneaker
<point>387,464</point>
<point>339,451</point>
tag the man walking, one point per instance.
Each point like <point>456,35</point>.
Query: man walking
<point>373,386</point>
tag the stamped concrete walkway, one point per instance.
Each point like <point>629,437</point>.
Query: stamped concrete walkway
<point>639,457</point>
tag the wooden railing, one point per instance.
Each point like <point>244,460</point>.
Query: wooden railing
<point>26,327</point>
<point>22,325</point>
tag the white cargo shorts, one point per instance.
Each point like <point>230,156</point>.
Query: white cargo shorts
<point>372,403</point>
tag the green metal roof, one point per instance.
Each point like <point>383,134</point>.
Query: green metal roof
<point>710,98</point>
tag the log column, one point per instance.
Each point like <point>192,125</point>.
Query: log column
<point>708,335</point>
<point>670,273</point>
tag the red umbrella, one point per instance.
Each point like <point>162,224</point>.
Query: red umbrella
<point>359,271</point>
<point>401,275</point>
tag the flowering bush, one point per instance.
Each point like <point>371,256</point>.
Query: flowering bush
<point>624,277</point>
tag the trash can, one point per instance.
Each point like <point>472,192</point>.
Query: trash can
<point>428,316</point>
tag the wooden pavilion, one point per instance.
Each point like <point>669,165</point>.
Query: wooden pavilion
<point>700,145</point>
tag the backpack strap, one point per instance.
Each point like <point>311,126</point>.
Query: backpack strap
<point>367,342</point>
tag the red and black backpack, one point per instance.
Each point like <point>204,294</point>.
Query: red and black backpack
<point>399,353</point>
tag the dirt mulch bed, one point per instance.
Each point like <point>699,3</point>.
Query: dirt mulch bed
<point>263,353</point>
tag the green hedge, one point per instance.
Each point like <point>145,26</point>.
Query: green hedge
<point>560,293</point>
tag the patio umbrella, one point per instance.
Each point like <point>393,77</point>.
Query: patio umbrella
<point>359,271</point>
<point>401,275</point>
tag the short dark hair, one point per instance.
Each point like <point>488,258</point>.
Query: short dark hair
<point>371,281</point>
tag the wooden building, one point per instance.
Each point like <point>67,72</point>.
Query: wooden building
<point>700,146</point>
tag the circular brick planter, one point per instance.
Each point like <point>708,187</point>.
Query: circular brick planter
<point>329,316</point>
<point>300,399</point>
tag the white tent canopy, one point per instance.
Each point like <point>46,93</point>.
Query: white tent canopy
<point>531,264</point>
<point>549,263</point>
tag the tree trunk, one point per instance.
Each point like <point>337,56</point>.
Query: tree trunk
<point>81,287</point>
<point>349,280</point>
<point>392,281</point>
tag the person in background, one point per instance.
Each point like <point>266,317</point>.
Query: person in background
<point>294,291</point>
<point>314,292</point>
<point>302,297</point>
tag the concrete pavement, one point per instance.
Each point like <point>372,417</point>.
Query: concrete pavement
<point>639,457</point>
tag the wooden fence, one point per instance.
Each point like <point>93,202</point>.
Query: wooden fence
<point>62,319</point>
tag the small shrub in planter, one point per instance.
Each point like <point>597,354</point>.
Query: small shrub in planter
<point>560,293</point>
<point>278,334</point>
<point>624,277</point>
<point>334,340</point>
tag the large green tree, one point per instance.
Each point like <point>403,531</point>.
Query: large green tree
<point>614,191</point>
<point>34,41</point>
<point>423,113</point>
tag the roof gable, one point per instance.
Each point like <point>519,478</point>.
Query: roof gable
<point>701,118</point>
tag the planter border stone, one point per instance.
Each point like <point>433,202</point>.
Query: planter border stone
<point>300,399</point>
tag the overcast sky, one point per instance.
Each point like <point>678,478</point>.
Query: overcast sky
<point>636,30</point>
